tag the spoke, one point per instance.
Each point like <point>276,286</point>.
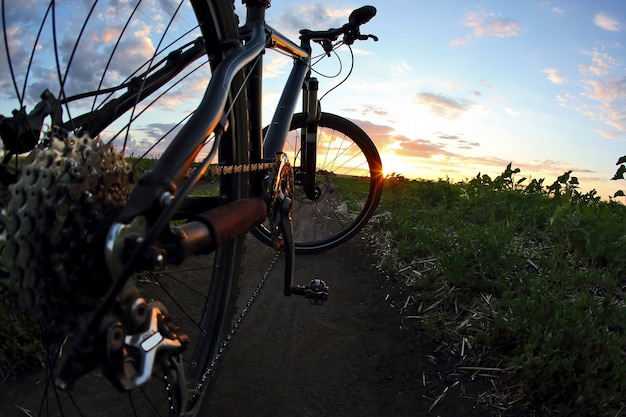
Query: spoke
<point>119,39</point>
<point>175,301</point>
<point>154,55</point>
<point>169,88</point>
<point>128,79</point>
<point>63,77</point>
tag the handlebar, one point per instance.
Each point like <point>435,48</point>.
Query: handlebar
<point>350,31</point>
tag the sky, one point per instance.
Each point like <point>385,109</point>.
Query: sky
<point>451,89</point>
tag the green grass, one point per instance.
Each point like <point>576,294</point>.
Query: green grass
<point>523,278</point>
<point>353,190</point>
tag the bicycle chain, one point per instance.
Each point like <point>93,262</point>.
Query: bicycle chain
<point>236,325</point>
<point>241,168</point>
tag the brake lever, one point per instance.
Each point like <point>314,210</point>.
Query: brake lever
<point>355,35</point>
<point>360,37</point>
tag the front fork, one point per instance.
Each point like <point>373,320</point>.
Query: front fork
<point>308,138</point>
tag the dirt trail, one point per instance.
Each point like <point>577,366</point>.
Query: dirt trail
<point>347,357</point>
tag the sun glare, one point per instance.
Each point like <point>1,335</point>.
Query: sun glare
<point>392,163</point>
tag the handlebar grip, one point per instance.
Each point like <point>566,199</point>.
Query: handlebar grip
<point>362,15</point>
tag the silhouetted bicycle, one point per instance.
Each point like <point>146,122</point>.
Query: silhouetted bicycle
<point>135,276</point>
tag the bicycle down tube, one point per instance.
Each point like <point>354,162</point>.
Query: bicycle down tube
<point>279,126</point>
<point>176,160</point>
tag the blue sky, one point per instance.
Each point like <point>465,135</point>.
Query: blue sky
<point>451,89</point>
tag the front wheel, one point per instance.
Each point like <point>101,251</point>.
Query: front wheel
<point>349,181</point>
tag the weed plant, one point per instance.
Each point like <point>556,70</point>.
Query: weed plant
<point>520,278</point>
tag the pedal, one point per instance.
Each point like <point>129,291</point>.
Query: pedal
<point>316,291</point>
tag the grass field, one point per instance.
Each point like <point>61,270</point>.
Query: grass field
<point>524,282</point>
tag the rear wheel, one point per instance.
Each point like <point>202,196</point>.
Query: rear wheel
<point>348,177</point>
<point>65,188</point>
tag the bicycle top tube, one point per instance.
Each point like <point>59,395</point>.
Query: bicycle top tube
<point>282,43</point>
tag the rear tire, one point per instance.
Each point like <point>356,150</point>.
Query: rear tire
<point>199,295</point>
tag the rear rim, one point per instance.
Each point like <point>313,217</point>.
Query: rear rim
<point>104,53</point>
<point>349,177</point>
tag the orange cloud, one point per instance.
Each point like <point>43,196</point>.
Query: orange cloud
<point>443,106</point>
<point>606,22</point>
<point>487,25</point>
<point>554,76</point>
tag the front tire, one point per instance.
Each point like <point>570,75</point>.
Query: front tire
<point>349,176</point>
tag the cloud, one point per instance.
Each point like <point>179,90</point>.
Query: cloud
<point>91,54</point>
<point>465,144</point>
<point>443,145</point>
<point>401,69</point>
<point>609,134</point>
<point>608,90</point>
<point>606,22</point>
<point>611,95</point>
<point>308,16</point>
<point>487,25</point>
<point>553,9</point>
<point>385,137</point>
<point>369,110</point>
<point>461,41</point>
<point>445,136</point>
<point>423,148</point>
<point>604,87</point>
<point>443,106</point>
<point>276,66</point>
<point>601,63</point>
<point>554,76</point>
<point>458,141</point>
<point>486,84</point>
<point>444,155</point>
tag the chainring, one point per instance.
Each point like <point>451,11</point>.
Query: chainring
<point>55,223</point>
<point>281,187</point>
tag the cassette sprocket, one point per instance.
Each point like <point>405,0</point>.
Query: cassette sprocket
<point>55,223</point>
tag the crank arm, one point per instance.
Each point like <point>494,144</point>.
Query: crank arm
<point>317,290</point>
<point>286,228</point>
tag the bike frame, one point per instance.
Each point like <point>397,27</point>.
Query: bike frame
<point>151,198</point>
<point>209,116</point>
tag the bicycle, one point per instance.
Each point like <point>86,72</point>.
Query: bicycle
<point>101,256</point>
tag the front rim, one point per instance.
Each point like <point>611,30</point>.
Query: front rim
<point>348,177</point>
